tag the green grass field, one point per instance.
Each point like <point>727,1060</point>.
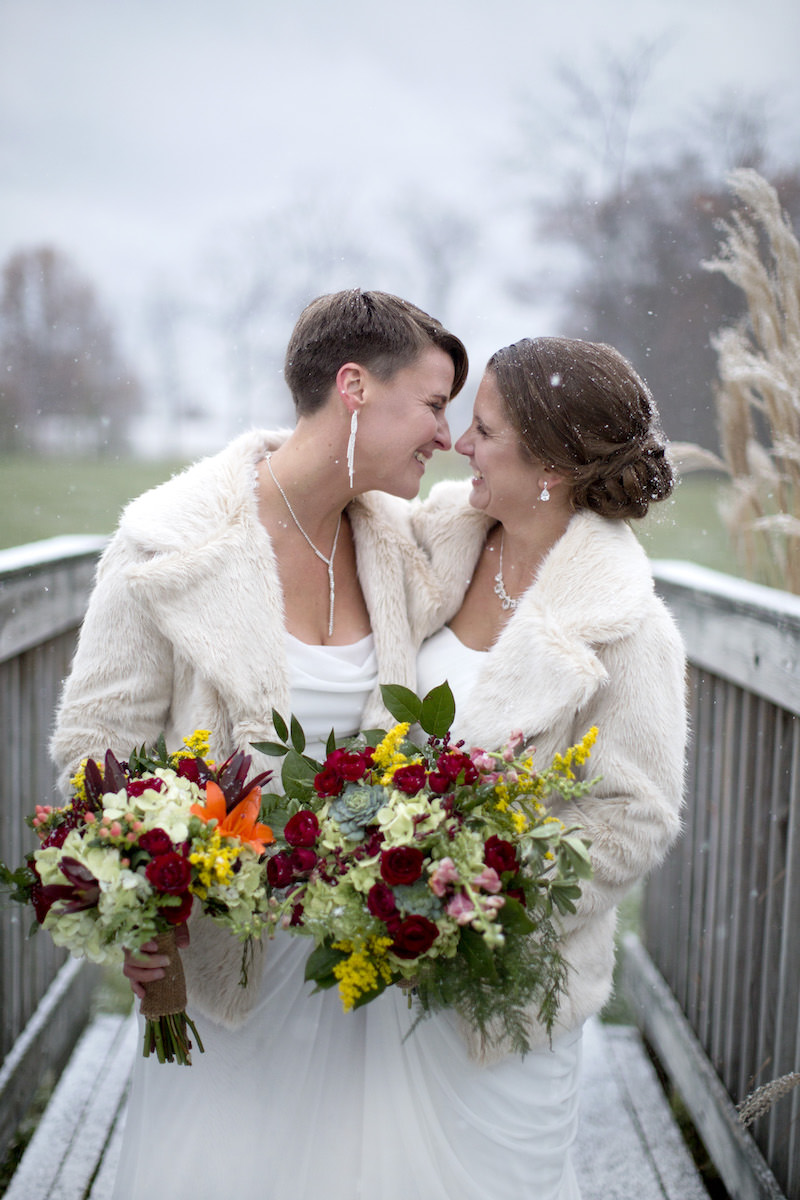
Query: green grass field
<point>44,497</point>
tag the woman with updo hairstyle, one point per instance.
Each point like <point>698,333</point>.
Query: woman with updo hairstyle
<point>544,620</point>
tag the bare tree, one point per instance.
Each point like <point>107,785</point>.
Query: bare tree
<point>64,377</point>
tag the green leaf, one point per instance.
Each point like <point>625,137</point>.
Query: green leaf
<point>320,964</point>
<point>298,737</point>
<point>563,896</point>
<point>330,745</point>
<point>438,710</point>
<point>281,727</point>
<point>513,917</point>
<point>275,749</point>
<point>577,856</point>
<point>297,776</point>
<point>401,702</point>
<point>478,955</point>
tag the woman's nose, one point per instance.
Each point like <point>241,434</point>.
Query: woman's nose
<point>443,438</point>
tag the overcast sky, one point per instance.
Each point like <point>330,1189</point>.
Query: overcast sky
<point>132,130</point>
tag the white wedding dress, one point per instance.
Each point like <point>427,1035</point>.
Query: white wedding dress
<point>305,1102</point>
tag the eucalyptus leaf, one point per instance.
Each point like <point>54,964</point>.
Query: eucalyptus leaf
<point>438,710</point>
<point>320,964</point>
<point>281,727</point>
<point>513,917</point>
<point>274,749</point>
<point>297,776</point>
<point>298,737</point>
<point>477,953</point>
<point>401,702</point>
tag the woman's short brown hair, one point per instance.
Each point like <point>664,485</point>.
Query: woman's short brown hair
<point>375,329</point>
<point>581,409</point>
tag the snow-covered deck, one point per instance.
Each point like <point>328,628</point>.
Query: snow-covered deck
<point>629,1144</point>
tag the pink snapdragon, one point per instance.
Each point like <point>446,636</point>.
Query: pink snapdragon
<point>444,873</point>
<point>488,880</point>
<point>461,909</point>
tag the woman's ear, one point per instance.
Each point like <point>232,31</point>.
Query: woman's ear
<point>350,381</point>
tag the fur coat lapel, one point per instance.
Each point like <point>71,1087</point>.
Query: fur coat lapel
<point>205,565</point>
<point>594,588</point>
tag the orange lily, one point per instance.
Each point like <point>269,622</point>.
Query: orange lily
<point>241,822</point>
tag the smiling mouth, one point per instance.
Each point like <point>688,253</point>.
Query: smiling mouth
<point>420,457</point>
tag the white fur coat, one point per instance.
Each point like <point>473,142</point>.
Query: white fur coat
<point>590,644</point>
<point>185,630</point>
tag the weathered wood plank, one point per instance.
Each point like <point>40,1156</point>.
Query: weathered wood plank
<point>733,1151</point>
<point>738,630</point>
<point>44,590</point>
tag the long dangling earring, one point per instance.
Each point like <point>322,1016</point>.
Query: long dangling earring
<point>544,494</point>
<point>351,445</point>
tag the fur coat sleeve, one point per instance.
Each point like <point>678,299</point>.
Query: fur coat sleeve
<point>590,644</point>
<point>185,630</point>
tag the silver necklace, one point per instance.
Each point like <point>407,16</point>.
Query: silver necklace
<point>328,561</point>
<point>499,587</point>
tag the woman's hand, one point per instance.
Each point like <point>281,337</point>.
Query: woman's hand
<point>147,965</point>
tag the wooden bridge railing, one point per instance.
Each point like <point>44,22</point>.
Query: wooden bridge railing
<point>721,919</point>
<point>717,985</point>
<point>44,995</point>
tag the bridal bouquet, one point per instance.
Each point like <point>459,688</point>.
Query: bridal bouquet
<point>428,866</point>
<point>136,845</point>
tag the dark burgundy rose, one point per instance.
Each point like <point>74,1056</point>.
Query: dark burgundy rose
<point>453,764</point>
<point>297,915</point>
<point>413,936</point>
<point>188,768</point>
<point>302,860</point>
<point>349,764</point>
<point>328,782</point>
<point>410,779</point>
<point>381,902</point>
<point>439,783</point>
<point>279,870</point>
<point>170,873</point>
<point>401,864</point>
<point>179,914</point>
<point>500,854</point>
<point>135,787</point>
<point>155,842</point>
<point>302,829</point>
<point>517,893</point>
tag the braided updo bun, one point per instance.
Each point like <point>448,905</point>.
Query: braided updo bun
<point>581,409</point>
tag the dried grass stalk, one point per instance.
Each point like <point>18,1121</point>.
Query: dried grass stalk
<point>758,394</point>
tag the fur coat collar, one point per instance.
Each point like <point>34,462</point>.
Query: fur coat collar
<point>594,588</point>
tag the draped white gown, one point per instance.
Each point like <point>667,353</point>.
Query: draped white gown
<point>305,1102</point>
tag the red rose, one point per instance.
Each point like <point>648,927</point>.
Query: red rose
<point>410,779</point>
<point>328,782</point>
<point>517,893</point>
<point>188,768</point>
<point>279,871</point>
<point>169,873</point>
<point>348,763</point>
<point>439,783</point>
<point>453,764</point>
<point>381,902</point>
<point>401,864</point>
<point>135,787</point>
<point>302,829</point>
<point>156,842</point>
<point>297,915</point>
<point>413,936</point>
<point>500,854</point>
<point>179,914</point>
<point>302,861</point>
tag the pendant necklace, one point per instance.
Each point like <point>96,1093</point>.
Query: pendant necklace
<point>499,587</point>
<point>328,561</point>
